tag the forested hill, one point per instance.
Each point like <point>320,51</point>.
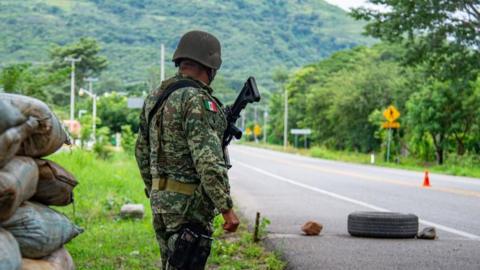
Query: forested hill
<point>257,35</point>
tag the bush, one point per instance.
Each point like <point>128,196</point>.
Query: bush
<point>128,139</point>
<point>102,145</point>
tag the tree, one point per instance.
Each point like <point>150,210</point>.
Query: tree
<point>280,77</point>
<point>443,34</point>
<point>430,112</point>
<point>113,112</point>
<point>35,81</point>
<point>128,139</point>
<point>88,49</point>
<point>336,96</point>
<point>275,127</point>
<point>442,39</point>
<point>86,122</point>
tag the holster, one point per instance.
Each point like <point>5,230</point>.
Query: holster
<point>192,248</point>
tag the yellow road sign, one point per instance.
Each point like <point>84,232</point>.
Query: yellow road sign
<point>391,113</point>
<point>257,130</point>
<point>391,125</point>
<point>248,131</point>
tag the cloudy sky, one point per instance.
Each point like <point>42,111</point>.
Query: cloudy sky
<point>347,4</point>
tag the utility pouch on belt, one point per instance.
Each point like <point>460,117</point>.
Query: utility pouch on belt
<point>192,249</point>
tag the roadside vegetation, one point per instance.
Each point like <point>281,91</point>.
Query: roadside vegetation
<point>427,65</point>
<point>110,242</point>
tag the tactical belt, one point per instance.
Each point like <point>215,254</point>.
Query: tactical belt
<point>164,184</point>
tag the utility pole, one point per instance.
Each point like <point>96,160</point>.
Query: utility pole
<point>94,109</point>
<point>388,144</point>
<point>162,63</point>
<point>285,120</point>
<point>72,86</point>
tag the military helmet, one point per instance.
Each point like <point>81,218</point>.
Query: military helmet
<point>201,47</point>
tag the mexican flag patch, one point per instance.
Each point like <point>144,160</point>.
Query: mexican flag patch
<point>210,105</point>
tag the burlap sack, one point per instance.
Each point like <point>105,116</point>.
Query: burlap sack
<point>9,116</point>
<point>10,257</point>
<point>40,230</point>
<point>59,260</point>
<point>18,182</point>
<point>11,140</point>
<point>49,136</point>
<point>55,184</point>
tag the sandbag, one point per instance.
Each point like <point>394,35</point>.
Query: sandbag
<point>40,230</point>
<point>9,116</point>
<point>18,183</point>
<point>11,140</point>
<point>59,260</point>
<point>55,184</point>
<point>49,136</point>
<point>10,257</point>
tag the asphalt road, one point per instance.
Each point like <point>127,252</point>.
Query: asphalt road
<point>290,190</point>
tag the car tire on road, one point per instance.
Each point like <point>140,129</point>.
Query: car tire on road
<point>382,225</point>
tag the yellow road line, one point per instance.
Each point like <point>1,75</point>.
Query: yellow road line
<point>366,177</point>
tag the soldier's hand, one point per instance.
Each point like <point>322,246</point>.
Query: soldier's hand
<point>231,221</point>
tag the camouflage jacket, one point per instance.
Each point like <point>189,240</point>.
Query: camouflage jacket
<point>184,142</point>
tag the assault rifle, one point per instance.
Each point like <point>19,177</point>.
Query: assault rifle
<point>249,94</point>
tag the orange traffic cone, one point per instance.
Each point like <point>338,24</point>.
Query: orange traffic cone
<point>426,180</point>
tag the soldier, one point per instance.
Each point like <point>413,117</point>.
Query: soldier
<point>180,156</point>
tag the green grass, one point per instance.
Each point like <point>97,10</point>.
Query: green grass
<point>112,243</point>
<point>466,166</point>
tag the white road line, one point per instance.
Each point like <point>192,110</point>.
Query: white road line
<point>357,202</point>
<point>401,172</point>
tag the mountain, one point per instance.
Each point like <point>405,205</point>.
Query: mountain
<point>257,35</point>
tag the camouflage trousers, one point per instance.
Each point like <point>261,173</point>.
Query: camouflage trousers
<point>167,229</point>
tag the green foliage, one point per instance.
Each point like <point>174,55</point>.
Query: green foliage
<point>441,38</point>
<point>102,146</point>
<point>113,112</point>
<point>335,97</point>
<point>255,35</point>
<point>238,251</point>
<point>49,81</point>
<point>442,34</point>
<point>33,80</point>
<point>444,112</point>
<point>262,230</point>
<point>342,99</point>
<point>108,242</point>
<point>113,243</point>
<point>223,91</point>
<point>276,105</point>
<point>87,50</point>
<point>87,129</point>
<point>128,139</point>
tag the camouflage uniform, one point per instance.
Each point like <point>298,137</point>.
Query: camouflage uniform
<point>184,144</point>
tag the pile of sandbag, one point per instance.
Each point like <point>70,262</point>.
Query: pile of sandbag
<point>32,235</point>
